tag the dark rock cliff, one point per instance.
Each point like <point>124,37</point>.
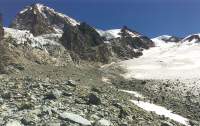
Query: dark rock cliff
<point>40,19</point>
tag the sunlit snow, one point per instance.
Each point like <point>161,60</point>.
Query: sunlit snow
<point>135,93</point>
<point>155,108</point>
<point>166,61</point>
<point>25,37</point>
<point>161,111</point>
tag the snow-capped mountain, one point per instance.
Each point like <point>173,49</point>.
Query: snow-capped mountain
<point>194,38</point>
<point>117,33</point>
<point>125,34</point>
<point>165,39</point>
<point>40,19</point>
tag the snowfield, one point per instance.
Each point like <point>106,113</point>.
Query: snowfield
<point>166,61</point>
<point>161,111</point>
<point>25,37</point>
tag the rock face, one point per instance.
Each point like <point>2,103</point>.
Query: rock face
<point>8,57</point>
<point>40,19</point>
<point>81,38</point>
<point>126,43</point>
<point>84,41</point>
<point>1,28</point>
<point>20,48</point>
<point>90,45</point>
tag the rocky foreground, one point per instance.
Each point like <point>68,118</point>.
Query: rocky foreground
<point>69,96</point>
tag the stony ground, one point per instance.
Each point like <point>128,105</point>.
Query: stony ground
<point>181,97</point>
<point>68,96</point>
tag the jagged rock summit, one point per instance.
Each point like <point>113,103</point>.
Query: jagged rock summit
<point>40,19</point>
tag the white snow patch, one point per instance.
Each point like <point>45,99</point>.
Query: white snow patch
<point>115,32</point>
<point>106,80</point>
<point>26,38</point>
<point>135,93</point>
<point>133,34</point>
<point>107,65</point>
<point>161,111</point>
<point>109,34</point>
<point>160,42</point>
<point>103,122</point>
<point>23,11</point>
<point>40,7</point>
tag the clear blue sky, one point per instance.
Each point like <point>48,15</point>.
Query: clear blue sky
<point>150,17</point>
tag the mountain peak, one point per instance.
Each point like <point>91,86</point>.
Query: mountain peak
<point>39,6</point>
<point>194,38</point>
<point>41,19</point>
<point>118,33</point>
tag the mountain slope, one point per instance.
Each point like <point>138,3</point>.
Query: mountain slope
<point>126,43</point>
<point>40,19</point>
<point>104,46</point>
<point>165,39</point>
<point>134,38</point>
<point>194,38</point>
<point>83,41</point>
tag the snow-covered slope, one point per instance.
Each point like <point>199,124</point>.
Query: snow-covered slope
<point>24,37</point>
<point>165,39</point>
<point>116,33</point>
<point>195,38</point>
<point>168,61</point>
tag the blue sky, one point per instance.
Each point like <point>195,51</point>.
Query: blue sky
<point>150,17</point>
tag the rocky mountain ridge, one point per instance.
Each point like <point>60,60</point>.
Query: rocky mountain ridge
<point>40,19</point>
<point>81,40</point>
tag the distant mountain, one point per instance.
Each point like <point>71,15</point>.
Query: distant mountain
<point>194,38</point>
<point>40,19</point>
<point>117,33</point>
<point>164,39</point>
<point>139,40</point>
